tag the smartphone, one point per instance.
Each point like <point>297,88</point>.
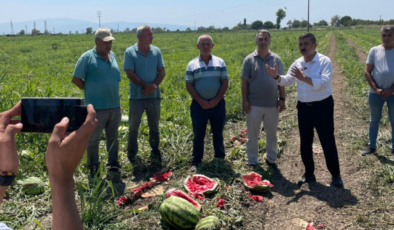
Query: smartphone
<point>41,114</point>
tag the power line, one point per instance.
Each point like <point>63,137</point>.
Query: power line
<point>99,15</point>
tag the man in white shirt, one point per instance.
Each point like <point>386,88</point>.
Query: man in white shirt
<point>379,73</point>
<point>313,73</point>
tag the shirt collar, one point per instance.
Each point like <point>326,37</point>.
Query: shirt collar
<point>98,56</point>
<point>136,48</point>
<point>199,58</point>
<point>315,58</point>
<point>268,56</point>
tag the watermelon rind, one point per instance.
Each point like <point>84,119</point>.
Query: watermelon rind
<point>209,223</point>
<point>206,192</point>
<point>179,213</point>
<point>33,186</point>
<point>168,195</point>
<point>257,188</point>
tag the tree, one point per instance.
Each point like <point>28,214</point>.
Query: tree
<point>305,24</point>
<point>46,32</point>
<point>89,30</point>
<point>22,32</point>
<point>35,32</point>
<point>346,21</point>
<point>289,23</point>
<point>201,28</point>
<point>226,28</point>
<point>188,29</point>
<point>296,24</point>
<point>335,20</point>
<point>76,32</point>
<point>268,25</point>
<point>127,30</point>
<point>69,32</point>
<point>244,22</point>
<point>256,25</point>
<point>280,14</point>
<point>322,23</point>
<point>236,28</point>
<point>158,30</point>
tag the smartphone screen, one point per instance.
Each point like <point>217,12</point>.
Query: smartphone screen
<point>40,115</point>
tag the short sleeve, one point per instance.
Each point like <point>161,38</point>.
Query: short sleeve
<point>246,69</point>
<point>160,62</point>
<point>371,57</point>
<point>281,70</point>
<point>82,67</point>
<point>128,63</point>
<point>189,74</point>
<point>223,71</point>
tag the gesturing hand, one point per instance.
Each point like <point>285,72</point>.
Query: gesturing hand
<point>273,72</point>
<point>297,73</point>
<point>64,153</point>
<point>9,161</point>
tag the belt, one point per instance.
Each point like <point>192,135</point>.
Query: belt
<point>312,103</point>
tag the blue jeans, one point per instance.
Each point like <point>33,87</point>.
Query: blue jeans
<point>136,109</point>
<point>200,117</point>
<point>376,103</point>
<point>108,119</point>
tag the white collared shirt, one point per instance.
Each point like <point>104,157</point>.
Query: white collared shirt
<point>319,70</point>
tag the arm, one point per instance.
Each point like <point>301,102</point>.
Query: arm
<point>156,82</point>
<point>371,82</point>
<point>9,160</point>
<point>245,102</point>
<point>193,92</point>
<point>281,103</point>
<point>63,155</point>
<point>283,80</point>
<point>78,82</point>
<point>138,81</point>
<point>219,96</point>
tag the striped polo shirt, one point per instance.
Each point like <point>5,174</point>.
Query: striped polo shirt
<point>206,79</point>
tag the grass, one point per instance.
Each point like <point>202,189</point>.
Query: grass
<point>43,66</point>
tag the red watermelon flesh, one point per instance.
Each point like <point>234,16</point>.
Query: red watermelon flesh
<point>254,179</point>
<point>199,184</point>
<point>177,193</point>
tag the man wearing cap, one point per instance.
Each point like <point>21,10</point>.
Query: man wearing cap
<point>144,66</point>
<point>97,73</point>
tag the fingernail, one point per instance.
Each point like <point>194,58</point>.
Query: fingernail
<point>64,120</point>
<point>19,125</point>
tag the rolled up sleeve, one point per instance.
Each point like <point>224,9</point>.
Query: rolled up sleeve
<point>287,80</point>
<point>324,81</point>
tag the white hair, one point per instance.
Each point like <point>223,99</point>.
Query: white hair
<point>140,29</point>
<point>198,40</point>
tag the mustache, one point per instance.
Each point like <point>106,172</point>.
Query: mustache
<point>303,50</point>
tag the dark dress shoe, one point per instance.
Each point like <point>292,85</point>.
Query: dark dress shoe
<point>368,151</point>
<point>306,179</point>
<point>337,181</point>
<point>273,166</point>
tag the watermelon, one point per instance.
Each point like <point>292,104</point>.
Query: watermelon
<point>33,186</point>
<point>253,182</point>
<point>209,223</point>
<point>180,194</point>
<point>179,213</point>
<point>200,184</point>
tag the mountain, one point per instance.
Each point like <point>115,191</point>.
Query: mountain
<point>64,25</point>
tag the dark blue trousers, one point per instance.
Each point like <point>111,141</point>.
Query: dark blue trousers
<point>318,115</point>
<point>200,117</point>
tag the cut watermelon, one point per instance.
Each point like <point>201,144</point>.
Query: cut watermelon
<point>253,182</point>
<point>178,193</point>
<point>200,185</point>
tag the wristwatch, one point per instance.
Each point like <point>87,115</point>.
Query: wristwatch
<point>6,179</point>
<point>282,98</point>
<point>277,76</point>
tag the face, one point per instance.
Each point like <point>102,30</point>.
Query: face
<point>307,48</point>
<point>387,38</point>
<point>146,36</point>
<point>205,45</point>
<point>103,47</point>
<point>263,41</point>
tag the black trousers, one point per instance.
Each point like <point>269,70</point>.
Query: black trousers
<point>319,115</point>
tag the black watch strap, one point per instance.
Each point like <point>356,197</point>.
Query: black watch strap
<point>6,180</point>
<point>282,98</point>
<point>277,76</point>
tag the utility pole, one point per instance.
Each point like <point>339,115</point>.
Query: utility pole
<point>34,25</point>
<point>53,30</point>
<point>194,25</point>
<point>26,29</point>
<point>45,24</point>
<point>308,16</point>
<point>380,21</point>
<point>118,27</point>
<point>12,29</point>
<point>99,15</point>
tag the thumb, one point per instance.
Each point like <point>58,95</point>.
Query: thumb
<point>60,129</point>
<point>275,67</point>
<point>11,130</point>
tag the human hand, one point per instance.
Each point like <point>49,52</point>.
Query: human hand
<point>149,89</point>
<point>246,106</point>
<point>9,160</point>
<point>281,105</point>
<point>297,73</point>
<point>213,103</point>
<point>386,93</point>
<point>65,152</point>
<point>204,104</point>
<point>273,72</point>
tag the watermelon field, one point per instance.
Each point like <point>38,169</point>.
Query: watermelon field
<point>42,66</point>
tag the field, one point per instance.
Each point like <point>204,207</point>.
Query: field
<point>42,66</point>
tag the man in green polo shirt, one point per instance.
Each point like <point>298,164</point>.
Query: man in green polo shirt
<point>97,73</point>
<point>144,66</point>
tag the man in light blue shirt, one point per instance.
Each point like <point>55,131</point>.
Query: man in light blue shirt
<point>144,66</point>
<point>97,73</point>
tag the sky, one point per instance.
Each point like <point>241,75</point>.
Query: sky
<point>198,12</point>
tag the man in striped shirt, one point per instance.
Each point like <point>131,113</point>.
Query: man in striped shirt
<point>207,82</point>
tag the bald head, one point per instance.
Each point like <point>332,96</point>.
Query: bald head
<point>204,36</point>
